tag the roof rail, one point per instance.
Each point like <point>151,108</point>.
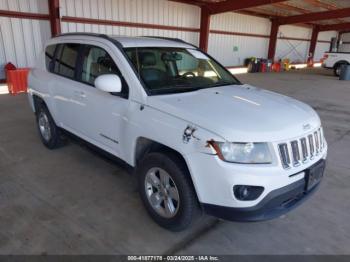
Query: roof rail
<point>82,34</point>
<point>116,42</point>
<point>171,39</point>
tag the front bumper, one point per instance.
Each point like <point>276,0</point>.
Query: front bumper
<point>275,204</point>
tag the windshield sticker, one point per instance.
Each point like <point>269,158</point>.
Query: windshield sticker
<point>197,54</point>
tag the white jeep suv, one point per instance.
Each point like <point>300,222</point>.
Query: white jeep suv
<point>198,139</point>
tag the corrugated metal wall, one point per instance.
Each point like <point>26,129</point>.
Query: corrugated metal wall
<point>158,12</point>
<point>231,50</point>
<point>239,37</point>
<point>345,47</point>
<point>22,39</point>
<point>295,50</point>
<point>298,50</point>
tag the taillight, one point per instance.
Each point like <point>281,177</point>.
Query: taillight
<point>325,56</point>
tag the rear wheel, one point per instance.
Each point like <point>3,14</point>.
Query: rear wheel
<point>49,132</point>
<point>166,191</point>
<point>337,68</point>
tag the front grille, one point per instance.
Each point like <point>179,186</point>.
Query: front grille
<point>299,151</point>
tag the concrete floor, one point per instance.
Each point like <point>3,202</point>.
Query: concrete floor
<point>73,201</point>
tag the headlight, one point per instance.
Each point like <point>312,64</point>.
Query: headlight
<point>245,153</point>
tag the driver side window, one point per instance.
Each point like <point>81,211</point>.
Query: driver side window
<point>96,62</point>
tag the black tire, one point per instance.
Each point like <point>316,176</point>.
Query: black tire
<point>54,139</point>
<point>188,207</point>
<point>337,69</point>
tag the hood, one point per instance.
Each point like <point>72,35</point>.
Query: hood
<point>240,113</point>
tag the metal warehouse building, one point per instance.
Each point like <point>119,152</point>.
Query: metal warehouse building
<point>229,36</point>
<point>116,146</point>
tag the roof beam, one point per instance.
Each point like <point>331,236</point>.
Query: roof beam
<point>24,15</point>
<point>345,12</point>
<point>313,44</point>
<point>273,40</point>
<point>204,29</point>
<point>335,27</point>
<point>190,2</point>
<point>234,5</point>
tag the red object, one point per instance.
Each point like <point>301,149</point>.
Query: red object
<point>276,67</point>
<point>325,56</point>
<point>204,30</point>
<point>84,20</point>
<point>25,15</point>
<point>335,27</point>
<point>10,66</point>
<point>17,79</point>
<point>263,67</point>
<point>273,40</point>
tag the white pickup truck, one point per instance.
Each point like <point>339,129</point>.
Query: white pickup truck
<point>198,139</point>
<point>334,60</point>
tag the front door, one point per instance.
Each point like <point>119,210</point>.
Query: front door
<point>100,116</point>
<point>64,82</point>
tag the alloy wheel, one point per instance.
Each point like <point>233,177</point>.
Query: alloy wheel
<point>161,192</point>
<point>44,126</point>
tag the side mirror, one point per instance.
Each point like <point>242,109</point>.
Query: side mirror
<point>109,83</point>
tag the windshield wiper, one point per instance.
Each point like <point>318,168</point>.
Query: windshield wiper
<point>179,88</point>
<point>223,83</point>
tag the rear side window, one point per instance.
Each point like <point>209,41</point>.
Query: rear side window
<point>96,62</point>
<point>66,59</point>
<point>49,55</point>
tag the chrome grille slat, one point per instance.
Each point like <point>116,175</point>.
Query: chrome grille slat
<point>284,154</point>
<point>295,152</point>
<point>311,146</point>
<point>321,140</point>
<point>301,150</point>
<point>317,144</point>
<point>304,149</point>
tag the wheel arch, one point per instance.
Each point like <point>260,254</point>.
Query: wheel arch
<point>37,101</point>
<point>340,62</point>
<point>145,146</point>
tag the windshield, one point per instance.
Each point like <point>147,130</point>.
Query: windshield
<point>167,70</point>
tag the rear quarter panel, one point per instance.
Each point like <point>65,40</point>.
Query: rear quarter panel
<point>39,84</point>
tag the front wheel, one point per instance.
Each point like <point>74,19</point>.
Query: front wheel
<point>166,191</point>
